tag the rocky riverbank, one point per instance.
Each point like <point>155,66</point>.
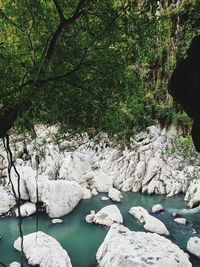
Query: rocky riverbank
<point>58,171</point>
<point>84,166</point>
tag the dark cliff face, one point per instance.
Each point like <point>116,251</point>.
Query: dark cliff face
<point>184,86</point>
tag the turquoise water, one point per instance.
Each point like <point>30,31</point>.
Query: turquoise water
<point>82,240</point>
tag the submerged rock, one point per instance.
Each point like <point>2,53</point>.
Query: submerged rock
<point>122,247</point>
<point>43,250</point>
<point>193,246</point>
<point>108,215</point>
<point>151,223</point>
<point>15,264</point>
<point>60,197</point>
<point>26,209</point>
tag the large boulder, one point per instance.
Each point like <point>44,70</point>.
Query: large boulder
<point>108,215</point>
<point>26,209</point>
<point>122,247</point>
<point>60,197</point>
<point>193,246</point>
<point>115,194</point>
<point>43,250</point>
<point>151,223</point>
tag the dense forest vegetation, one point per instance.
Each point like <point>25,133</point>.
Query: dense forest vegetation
<point>101,65</point>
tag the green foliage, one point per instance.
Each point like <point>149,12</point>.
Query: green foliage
<point>182,148</point>
<point>108,69</point>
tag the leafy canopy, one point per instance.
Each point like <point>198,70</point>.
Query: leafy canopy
<point>92,64</point>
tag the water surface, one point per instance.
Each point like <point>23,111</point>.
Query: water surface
<point>82,240</point>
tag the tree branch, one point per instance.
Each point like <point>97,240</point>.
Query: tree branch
<point>63,24</point>
<point>59,10</point>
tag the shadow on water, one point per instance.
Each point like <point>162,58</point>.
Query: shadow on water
<point>81,240</point>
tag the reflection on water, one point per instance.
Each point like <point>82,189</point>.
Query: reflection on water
<point>82,240</point>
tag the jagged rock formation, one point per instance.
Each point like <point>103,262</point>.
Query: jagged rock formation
<point>60,197</point>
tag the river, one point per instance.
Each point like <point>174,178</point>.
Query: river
<point>82,240</point>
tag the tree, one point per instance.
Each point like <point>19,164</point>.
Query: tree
<point>54,54</point>
<point>91,64</point>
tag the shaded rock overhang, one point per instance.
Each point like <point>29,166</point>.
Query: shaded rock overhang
<point>184,86</point>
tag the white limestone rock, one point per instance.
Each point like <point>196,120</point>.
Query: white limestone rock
<point>193,194</point>
<point>89,218</point>
<point>86,193</point>
<point>52,161</point>
<point>26,209</point>
<point>105,198</point>
<point>55,221</point>
<point>60,197</point>
<point>94,192</point>
<point>23,172</point>
<point>29,182</point>
<point>180,221</point>
<point>103,181</point>
<point>74,167</point>
<point>157,208</point>
<point>151,223</point>
<point>35,187</point>
<point>43,250</point>
<point>115,194</point>
<point>7,201</point>
<point>122,247</point>
<point>108,215</point>
<point>95,166</point>
<point>193,246</point>
<point>139,176</point>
